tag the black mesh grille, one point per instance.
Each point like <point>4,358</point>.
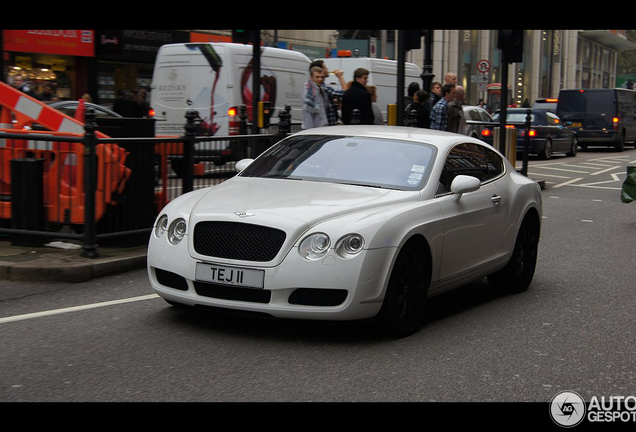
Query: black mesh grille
<point>232,292</point>
<point>235,240</point>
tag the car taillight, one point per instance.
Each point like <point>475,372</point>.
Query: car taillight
<point>151,113</point>
<point>486,132</point>
<point>532,132</point>
<point>615,122</point>
<point>234,121</point>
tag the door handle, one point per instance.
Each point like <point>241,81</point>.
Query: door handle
<point>496,199</point>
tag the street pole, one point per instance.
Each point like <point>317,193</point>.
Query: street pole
<point>427,72</point>
<point>504,102</point>
<point>256,78</point>
<point>400,77</point>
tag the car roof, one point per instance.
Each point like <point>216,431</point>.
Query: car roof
<point>423,135</point>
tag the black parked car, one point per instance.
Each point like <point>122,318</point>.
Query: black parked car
<point>548,135</point>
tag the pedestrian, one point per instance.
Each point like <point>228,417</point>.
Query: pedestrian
<point>358,97</point>
<point>420,106</point>
<point>22,85</point>
<point>377,113</point>
<point>435,94</point>
<point>47,94</point>
<point>123,104</point>
<point>439,113</point>
<point>334,95</point>
<point>456,119</point>
<point>315,100</point>
<point>142,106</point>
<point>410,92</point>
<point>450,78</point>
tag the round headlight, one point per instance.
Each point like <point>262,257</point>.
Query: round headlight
<point>315,246</point>
<point>350,245</point>
<point>161,226</point>
<point>176,231</point>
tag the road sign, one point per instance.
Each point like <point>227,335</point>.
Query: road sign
<point>483,66</point>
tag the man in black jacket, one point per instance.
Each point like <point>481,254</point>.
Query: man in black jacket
<point>358,97</point>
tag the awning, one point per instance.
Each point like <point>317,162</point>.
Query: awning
<point>608,39</point>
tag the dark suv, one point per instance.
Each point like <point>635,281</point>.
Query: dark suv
<point>600,116</point>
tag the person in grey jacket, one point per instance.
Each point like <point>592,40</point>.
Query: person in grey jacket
<point>315,101</point>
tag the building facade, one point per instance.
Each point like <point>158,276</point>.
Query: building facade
<point>104,62</point>
<point>552,59</point>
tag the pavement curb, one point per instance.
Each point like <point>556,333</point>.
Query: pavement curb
<point>46,264</point>
<point>45,270</point>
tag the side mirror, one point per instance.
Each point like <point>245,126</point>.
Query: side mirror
<point>242,164</point>
<point>463,184</point>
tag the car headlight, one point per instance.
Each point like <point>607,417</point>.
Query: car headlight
<point>176,231</point>
<point>162,226</point>
<point>314,246</point>
<point>350,245</point>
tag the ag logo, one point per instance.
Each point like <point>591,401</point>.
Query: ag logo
<point>567,409</point>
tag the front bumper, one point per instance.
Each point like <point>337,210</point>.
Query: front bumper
<point>328,289</point>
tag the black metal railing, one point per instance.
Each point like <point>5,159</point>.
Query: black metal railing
<point>91,190</point>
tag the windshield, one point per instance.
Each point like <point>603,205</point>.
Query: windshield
<point>350,160</point>
<point>515,117</point>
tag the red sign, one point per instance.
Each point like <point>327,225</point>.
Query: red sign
<point>62,42</point>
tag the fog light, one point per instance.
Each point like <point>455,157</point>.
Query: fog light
<point>315,246</point>
<point>176,231</point>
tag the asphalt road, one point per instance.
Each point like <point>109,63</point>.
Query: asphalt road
<point>112,340</point>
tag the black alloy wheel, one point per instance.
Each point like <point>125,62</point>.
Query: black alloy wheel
<point>402,312</point>
<point>518,273</point>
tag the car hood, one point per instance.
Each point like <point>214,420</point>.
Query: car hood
<point>259,200</point>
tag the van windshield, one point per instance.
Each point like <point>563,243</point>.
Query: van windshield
<point>587,101</point>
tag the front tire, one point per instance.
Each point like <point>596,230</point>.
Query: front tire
<point>402,312</point>
<point>518,273</point>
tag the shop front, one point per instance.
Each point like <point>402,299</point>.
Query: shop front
<point>54,64</point>
<point>125,61</point>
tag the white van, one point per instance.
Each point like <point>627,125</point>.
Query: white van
<point>382,75</point>
<point>216,78</point>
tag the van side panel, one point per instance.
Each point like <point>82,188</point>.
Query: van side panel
<point>190,76</point>
<point>211,78</point>
<point>283,77</point>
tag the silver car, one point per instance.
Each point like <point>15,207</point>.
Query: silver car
<point>476,119</point>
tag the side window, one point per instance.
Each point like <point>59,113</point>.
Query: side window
<point>495,163</point>
<point>464,159</point>
<point>474,115</point>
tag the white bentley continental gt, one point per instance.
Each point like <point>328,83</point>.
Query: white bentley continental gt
<point>348,223</point>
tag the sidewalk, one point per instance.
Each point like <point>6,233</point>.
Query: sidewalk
<point>66,265</point>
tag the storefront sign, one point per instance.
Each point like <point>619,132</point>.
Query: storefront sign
<point>61,42</point>
<point>135,45</point>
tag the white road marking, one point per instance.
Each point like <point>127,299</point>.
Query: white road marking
<point>569,182</point>
<point>74,309</point>
<point>605,170</point>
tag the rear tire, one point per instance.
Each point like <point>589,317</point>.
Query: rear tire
<point>402,312</point>
<point>574,148</point>
<point>518,273</point>
<point>620,144</point>
<point>547,150</point>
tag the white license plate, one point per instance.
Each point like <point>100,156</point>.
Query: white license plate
<point>229,275</point>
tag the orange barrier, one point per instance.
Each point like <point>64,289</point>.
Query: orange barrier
<point>64,161</point>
